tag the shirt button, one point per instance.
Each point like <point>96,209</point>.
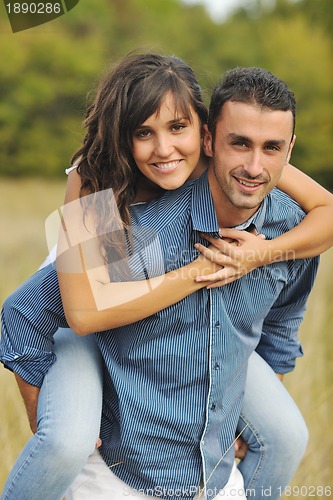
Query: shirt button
<point>216,366</point>
<point>217,324</point>
<point>202,442</point>
<point>213,406</point>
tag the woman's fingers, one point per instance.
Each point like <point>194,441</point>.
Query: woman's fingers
<point>251,252</point>
<point>214,255</point>
<point>220,278</point>
<point>225,247</point>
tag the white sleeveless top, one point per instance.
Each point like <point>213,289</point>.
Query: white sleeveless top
<point>53,252</point>
<point>68,170</point>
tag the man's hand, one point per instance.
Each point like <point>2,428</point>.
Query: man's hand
<point>241,448</point>
<point>29,394</point>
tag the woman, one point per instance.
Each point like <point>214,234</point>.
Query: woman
<point>109,159</point>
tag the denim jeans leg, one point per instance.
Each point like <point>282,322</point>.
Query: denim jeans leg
<point>274,429</point>
<point>68,420</point>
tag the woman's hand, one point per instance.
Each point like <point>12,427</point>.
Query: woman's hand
<point>239,252</point>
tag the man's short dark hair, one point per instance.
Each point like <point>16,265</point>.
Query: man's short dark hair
<point>251,86</point>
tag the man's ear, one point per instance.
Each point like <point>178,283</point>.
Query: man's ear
<point>291,145</point>
<point>207,142</point>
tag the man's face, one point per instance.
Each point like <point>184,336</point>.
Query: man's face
<point>250,149</point>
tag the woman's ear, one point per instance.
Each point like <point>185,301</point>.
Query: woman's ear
<point>207,142</point>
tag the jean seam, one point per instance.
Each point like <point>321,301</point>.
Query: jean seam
<point>254,476</point>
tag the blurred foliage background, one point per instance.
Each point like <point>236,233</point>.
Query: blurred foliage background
<point>47,71</point>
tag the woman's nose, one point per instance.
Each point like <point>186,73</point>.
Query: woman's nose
<point>163,146</point>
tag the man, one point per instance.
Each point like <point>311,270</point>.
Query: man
<point>174,381</point>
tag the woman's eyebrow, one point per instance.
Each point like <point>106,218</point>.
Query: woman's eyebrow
<point>177,119</point>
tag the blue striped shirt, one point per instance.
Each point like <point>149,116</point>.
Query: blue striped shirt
<point>174,381</point>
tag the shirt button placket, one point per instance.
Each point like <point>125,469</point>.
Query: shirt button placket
<point>216,365</point>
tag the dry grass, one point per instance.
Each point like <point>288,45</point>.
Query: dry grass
<point>24,206</point>
<point>311,384</point>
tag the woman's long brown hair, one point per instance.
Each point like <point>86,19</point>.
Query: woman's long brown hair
<point>125,98</point>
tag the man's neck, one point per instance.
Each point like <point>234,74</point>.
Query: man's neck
<point>232,217</point>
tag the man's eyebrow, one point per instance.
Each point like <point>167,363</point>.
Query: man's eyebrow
<point>239,138</point>
<point>275,142</point>
<point>247,140</point>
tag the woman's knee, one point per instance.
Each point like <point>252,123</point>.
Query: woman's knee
<point>66,448</point>
<point>293,436</point>
<point>285,436</point>
<point>70,401</point>
<point>269,411</point>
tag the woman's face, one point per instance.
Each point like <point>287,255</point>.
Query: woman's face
<point>167,146</point>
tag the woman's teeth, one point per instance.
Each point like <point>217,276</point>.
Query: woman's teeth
<point>166,166</point>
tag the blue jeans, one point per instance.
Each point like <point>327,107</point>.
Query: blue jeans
<point>68,421</point>
<point>274,429</point>
<point>69,412</point>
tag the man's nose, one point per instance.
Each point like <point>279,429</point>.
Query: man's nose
<point>254,164</point>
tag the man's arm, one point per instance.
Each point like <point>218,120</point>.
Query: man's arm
<point>279,345</point>
<point>29,394</point>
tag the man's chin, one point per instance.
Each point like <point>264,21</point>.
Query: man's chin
<point>247,202</point>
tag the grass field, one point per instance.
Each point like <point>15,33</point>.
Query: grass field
<point>24,206</point>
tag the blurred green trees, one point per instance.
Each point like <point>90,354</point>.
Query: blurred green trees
<point>47,72</point>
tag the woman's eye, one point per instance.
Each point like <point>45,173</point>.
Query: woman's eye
<point>178,127</point>
<point>142,134</point>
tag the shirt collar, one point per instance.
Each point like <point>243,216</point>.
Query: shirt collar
<point>257,219</point>
<point>203,212</point>
<point>202,207</point>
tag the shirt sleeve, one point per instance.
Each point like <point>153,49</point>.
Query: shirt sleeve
<point>279,345</point>
<point>29,319</point>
